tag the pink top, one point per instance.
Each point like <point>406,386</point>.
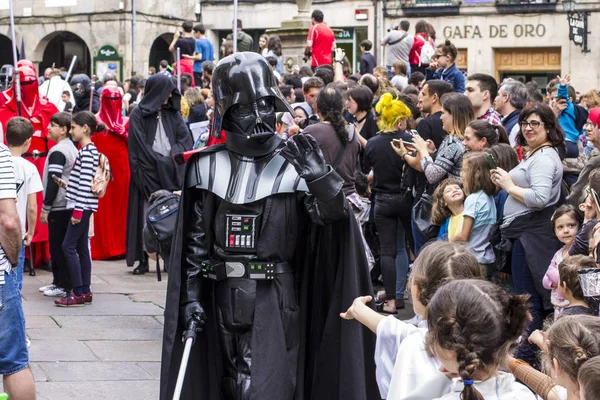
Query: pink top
<point>552,277</point>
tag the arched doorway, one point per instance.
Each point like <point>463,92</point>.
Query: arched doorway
<point>6,55</point>
<point>160,50</point>
<point>60,47</point>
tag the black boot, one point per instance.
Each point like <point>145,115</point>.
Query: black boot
<point>142,267</point>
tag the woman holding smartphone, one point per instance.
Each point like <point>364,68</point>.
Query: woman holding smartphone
<point>393,200</point>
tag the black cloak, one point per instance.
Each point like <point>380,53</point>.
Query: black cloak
<point>336,358</point>
<point>83,91</point>
<point>151,171</point>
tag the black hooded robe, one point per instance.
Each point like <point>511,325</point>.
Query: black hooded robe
<point>335,359</point>
<point>150,171</point>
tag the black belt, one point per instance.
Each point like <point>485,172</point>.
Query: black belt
<point>256,270</point>
<point>38,154</point>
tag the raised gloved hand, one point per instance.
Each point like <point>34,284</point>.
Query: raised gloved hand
<point>306,156</point>
<point>192,312</point>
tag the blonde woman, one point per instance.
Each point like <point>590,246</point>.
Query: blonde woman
<point>392,208</point>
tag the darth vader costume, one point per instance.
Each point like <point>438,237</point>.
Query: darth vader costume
<point>265,256</point>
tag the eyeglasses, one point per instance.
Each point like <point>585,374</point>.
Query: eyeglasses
<point>532,124</point>
<point>590,124</point>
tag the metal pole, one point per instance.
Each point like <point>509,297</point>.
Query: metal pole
<point>68,75</point>
<point>179,69</point>
<point>17,78</point>
<point>235,29</point>
<point>133,38</point>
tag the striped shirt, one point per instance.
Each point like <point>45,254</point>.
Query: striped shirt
<point>8,190</point>
<point>79,189</point>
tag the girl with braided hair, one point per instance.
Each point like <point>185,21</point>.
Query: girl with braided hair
<point>472,326</point>
<point>571,349</point>
<point>404,368</point>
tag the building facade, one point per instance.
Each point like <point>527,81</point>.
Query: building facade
<point>526,39</point>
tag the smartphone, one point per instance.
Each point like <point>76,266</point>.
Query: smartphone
<point>491,161</point>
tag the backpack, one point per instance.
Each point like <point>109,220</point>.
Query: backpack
<point>102,177</point>
<point>161,220</point>
<point>427,51</point>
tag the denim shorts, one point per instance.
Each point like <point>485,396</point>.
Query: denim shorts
<point>14,355</point>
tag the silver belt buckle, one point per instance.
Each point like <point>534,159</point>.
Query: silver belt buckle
<point>235,269</point>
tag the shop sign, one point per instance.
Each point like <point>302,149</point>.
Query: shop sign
<point>494,31</point>
<point>108,52</point>
<point>577,28</point>
<point>346,34</point>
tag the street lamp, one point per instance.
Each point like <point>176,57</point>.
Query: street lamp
<point>569,6</point>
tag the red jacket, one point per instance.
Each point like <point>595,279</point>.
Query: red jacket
<point>415,52</point>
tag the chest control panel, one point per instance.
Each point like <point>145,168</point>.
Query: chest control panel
<point>241,231</point>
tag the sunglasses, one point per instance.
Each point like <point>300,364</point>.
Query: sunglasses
<point>590,191</point>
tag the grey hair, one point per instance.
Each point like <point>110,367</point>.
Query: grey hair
<point>516,91</point>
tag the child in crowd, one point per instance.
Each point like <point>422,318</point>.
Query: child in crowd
<point>506,158</point>
<point>566,221</point>
<point>447,210</point>
<point>479,214</point>
<point>589,207</point>
<point>367,61</point>
<point>58,165</point>
<point>403,365</point>
<point>66,98</point>
<point>472,326</point>
<point>82,202</point>
<point>569,287</point>
<point>589,379</point>
<point>399,80</point>
<point>19,132</point>
<point>571,348</point>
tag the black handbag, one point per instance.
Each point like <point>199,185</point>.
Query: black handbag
<point>161,220</point>
<point>421,215</point>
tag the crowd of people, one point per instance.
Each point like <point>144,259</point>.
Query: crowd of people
<point>477,199</point>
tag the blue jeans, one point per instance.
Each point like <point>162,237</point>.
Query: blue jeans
<point>14,356</point>
<point>524,284</point>
<point>21,266</point>
<point>401,262</point>
<point>76,248</point>
<point>418,237</point>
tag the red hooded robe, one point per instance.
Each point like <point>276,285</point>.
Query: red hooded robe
<point>38,110</point>
<point>110,222</point>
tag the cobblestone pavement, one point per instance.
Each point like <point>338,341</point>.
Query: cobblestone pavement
<point>107,350</point>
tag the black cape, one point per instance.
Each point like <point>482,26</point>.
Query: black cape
<point>151,171</point>
<point>336,358</point>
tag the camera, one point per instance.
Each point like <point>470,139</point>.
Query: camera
<point>393,28</point>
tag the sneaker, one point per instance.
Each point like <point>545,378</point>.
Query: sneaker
<point>88,297</point>
<point>55,292</point>
<point>70,300</point>
<point>47,287</point>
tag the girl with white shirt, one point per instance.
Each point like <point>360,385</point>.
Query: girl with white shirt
<point>472,326</point>
<point>404,368</point>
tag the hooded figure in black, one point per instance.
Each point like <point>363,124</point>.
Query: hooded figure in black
<point>156,132</point>
<point>264,258</point>
<point>83,92</point>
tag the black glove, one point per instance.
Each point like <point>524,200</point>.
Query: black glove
<point>305,155</point>
<point>192,312</point>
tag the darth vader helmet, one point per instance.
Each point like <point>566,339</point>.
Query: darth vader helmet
<point>81,85</point>
<point>247,98</point>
